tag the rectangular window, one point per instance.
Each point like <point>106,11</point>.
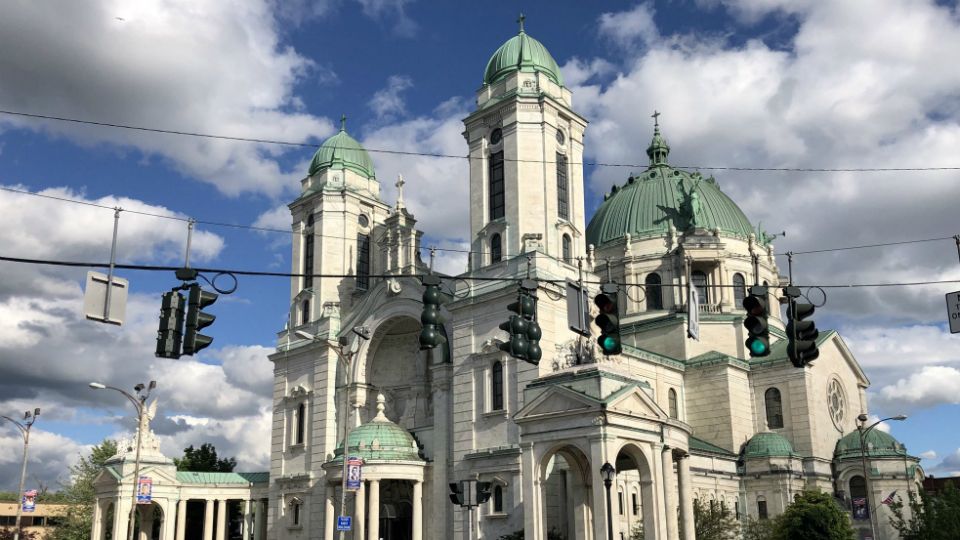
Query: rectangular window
<point>620,500</point>
<point>636,504</point>
<point>497,386</point>
<point>762,509</point>
<point>496,186</point>
<point>736,509</point>
<point>363,261</point>
<point>563,197</point>
<point>308,260</point>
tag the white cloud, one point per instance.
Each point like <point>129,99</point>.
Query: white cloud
<point>49,458</point>
<point>929,454</point>
<point>185,59</point>
<point>391,12</point>
<point>630,28</point>
<point>930,386</point>
<point>388,102</point>
<point>950,466</point>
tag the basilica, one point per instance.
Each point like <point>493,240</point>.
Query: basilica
<point>678,418</point>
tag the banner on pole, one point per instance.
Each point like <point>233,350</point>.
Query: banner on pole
<point>354,473</point>
<point>30,500</point>
<point>145,490</point>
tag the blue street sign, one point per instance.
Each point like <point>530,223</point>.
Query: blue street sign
<point>343,523</point>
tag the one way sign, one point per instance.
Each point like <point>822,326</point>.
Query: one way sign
<point>953,311</point>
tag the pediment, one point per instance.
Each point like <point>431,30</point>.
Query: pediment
<point>556,401</point>
<point>636,403</point>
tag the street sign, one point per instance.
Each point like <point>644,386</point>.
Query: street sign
<point>343,523</point>
<point>953,311</point>
<point>95,298</point>
<point>578,309</point>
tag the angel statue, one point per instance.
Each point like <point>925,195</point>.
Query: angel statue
<point>691,209</point>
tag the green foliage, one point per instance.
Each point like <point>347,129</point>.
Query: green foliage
<point>637,532</point>
<point>713,521</point>
<point>6,533</point>
<point>932,516</point>
<point>813,515</point>
<point>79,494</point>
<point>552,534</point>
<point>759,529</point>
<point>204,459</point>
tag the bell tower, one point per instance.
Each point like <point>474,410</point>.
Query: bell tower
<point>526,158</point>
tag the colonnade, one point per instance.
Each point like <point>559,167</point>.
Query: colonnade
<point>680,494</point>
<point>366,513</point>
<point>253,528</point>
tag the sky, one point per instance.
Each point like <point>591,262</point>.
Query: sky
<point>781,84</point>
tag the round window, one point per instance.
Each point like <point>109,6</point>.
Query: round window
<point>561,138</point>
<point>836,403</point>
<point>363,220</point>
<point>496,136</point>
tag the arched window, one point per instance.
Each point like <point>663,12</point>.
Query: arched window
<point>739,289</point>
<point>774,406</point>
<point>301,423</point>
<point>496,386</point>
<point>496,252</point>
<point>363,261</point>
<point>498,499</point>
<point>620,500</point>
<point>858,497</point>
<point>636,503</point>
<point>563,204</point>
<point>699,280</point>
<point>672,403</point>
<point>497,199</point>
<point>296,505</point>
<point>305,312</point>
<point>308,260</point>
<point>566,244</point>
<point>653,292</point>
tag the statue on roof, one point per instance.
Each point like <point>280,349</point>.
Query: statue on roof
<point>690,207</point>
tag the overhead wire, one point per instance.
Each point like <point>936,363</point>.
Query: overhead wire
<point>467,157</point>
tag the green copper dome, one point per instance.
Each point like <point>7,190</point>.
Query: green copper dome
<point>521,53</point>
<point>342,152</point>
<point>662,196</point>
<point>768,444</point>
<point>379,440</point>
<point>877,443</point>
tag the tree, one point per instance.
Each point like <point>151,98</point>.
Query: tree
<point>813,515</point>
<point>933,516</point>
<point>80,496</point>
<point>713,521</point>
<point>204,459</point>
<point>758,529</point>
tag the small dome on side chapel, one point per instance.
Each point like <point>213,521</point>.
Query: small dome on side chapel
<point>521,53</point>
<point>380,440</point>
<point>342,151</point>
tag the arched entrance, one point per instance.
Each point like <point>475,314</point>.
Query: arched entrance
<point>633,505</point>
<point>396,368</point>
<point>148,524</point>
<point>566,495</point>
<point>396,511</point>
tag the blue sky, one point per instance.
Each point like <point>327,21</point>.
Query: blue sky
<point>740,83</point>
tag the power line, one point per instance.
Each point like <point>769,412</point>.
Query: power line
<point>258,273</point>
<point>458,156</point>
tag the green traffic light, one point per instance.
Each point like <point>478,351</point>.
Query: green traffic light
<point>758,347</point>
<point>609,343</point>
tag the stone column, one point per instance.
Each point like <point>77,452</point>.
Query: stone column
<point>208,520</point>
<point>360,509</point>
<point>373,521</point>
<point>669,493</point>
<point>686,498</point>
<point>96,527</point>
<point>121,517</point>
<point>221,519</point>
<point>146,522</point>
<point>247,520</point>
<point>181,519</point>
<point>417,511</point>
<point>329,514</point>
<point>255,519</point>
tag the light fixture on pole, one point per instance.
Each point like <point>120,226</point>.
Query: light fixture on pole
<point>139,404</point>
<point>608,473</point>
<point>346,351</point>
<point>24,427</point>
<point>861,420</point>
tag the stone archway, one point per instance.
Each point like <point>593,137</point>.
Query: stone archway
<point>566,497</point>
<point>395,367</point>
<point>149,522</point>
<point>635,476</point>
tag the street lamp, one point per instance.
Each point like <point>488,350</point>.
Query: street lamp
<point>608,473</point>
<point>24,427</point>
<point>861,420</point>
<point>345,355</point>
<point>138,403</point>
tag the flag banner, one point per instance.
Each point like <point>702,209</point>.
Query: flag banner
<point>354,473</point>
<point>889,498</point>
<point>860,510</point>
<point>145,490</point>
<point>29,500</point>
<point>693,315</point>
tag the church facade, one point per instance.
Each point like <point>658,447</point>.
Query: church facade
<point>679,419</point>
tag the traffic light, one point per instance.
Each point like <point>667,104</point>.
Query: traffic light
<point>483,492</point>
<point>758,333</point>
<point>801,335</point>
<point>608,320</point>
<point>198,320</point>
<point>170,334</point>
<point>431,334</point>
<point>525,333</point>
<point>456,493</point>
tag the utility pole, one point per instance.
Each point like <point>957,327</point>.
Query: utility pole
<point>24,427</point>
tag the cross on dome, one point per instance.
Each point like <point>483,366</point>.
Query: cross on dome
<point>343,122</point>
<point>656,119</point>
<point>520,20</point>
<point>399,185</point>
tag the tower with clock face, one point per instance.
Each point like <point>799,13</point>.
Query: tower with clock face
<point>526,153</point>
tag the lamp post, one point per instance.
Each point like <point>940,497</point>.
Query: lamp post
<point>861,420</point>
<point>345,355</point>
<point>24,427</point>
<point>608,473</point>
<point>138,403</point>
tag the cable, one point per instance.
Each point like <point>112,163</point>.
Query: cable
<point>867,246</point>
<point>456,156</point>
